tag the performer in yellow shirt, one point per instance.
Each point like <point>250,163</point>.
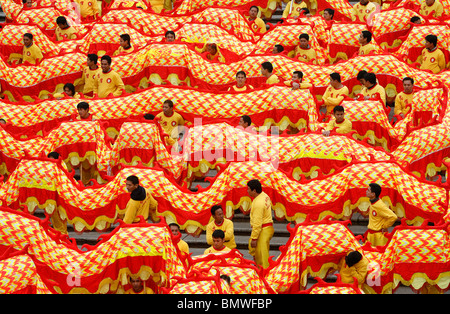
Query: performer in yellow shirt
<point>90,75</point>
<point>182,245</point>
<point>335,92</point>
<point>362,10</point>
<point>63,30</point>
<point>365,46</point>
<point>261,223</point>
<point>432,58</point>
<point>219,222</point>
<point>296,81</point>
<point>88,9</point>
<point>404,100</point>
<point>372,90</point>
<point>267,71</point>
<point>125,45</point>
<point>141,202</point>
<point>138,286</point>
<point>157,5</point>
<point>170,122</point>
<point>218,246</point>
<point>241,78</point>
<point>338,123</point>
<point>353,265</point>
<point>380,216</point>
<point>304,52</point>
<point>256,23</point>
<point>433,7</point>
<point>31,53</point>
<point>108,81</point>
<point>293,9</point>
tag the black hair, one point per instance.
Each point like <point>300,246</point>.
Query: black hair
<point>61,20</point>
<point>330,11</point>
<point>218,234</point>
<point>338,108</point>
<point>70,86</point>
<point>149,116</point>
<point>107,58</point>
<point>93,57</point>
<point>255,185</point>
<point>53,155</point>
<point>279,47</point>
<point>361,75</point>
<point>367,35</point>
<point>247,119</point>
<point>371,78</point>
<point>169,102</point>
<point>126,37</point>
<point>299,74</point>
<point>241,72</point>
<point>432,39</point>
<point>335,76</point>
<point>173,224</point>
<point>375,188</point>
<point>29,35</point>
<point>133,179</point>
<point>83,105</point>
<point>169,32</point>
<point>304,35</point>
<point>267,66</point>
<point>408,79</point>
<point>353,258</point>
<point>214,208</point>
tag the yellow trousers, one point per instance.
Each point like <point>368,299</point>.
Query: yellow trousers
<point>261,252</point>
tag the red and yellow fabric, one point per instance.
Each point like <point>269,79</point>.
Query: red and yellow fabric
<point>144,250</point>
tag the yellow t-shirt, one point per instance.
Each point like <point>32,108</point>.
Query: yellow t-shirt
<point>333,97</point>
<point>64,34</point>
<point>273,79</point>
<point>260,214</point>
<point>89,79</point>
<point>212,250</point>
<point>88,8</point>
<point>380,216</point>
<point>437,9</point>
<point>361,12</point>
<point>433,61</point>
<point>108,83</point>
<point>296,8</point>
<point>146,290</point>
<point>227,227</point>
<point>373,91</point>
<point>366,49</point>
<point>242,89</point>
<point>258,25</point>
<point>121,50</point>
<point>403,103</point>
<point>31,54</point>
<point>140,208</point>
<point>305,55</point>
<point>170,124</point>
<point>342,128</point>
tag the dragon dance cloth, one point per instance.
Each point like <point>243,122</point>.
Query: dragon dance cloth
<point>35,259</point>
<point>310,178</point>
